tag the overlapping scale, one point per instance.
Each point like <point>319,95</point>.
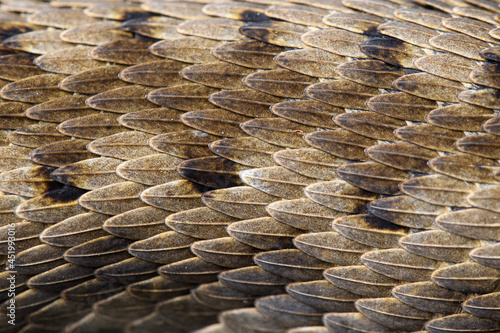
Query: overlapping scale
<point>251,166</point>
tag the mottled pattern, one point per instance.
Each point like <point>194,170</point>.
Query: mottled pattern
<point>258,166</point>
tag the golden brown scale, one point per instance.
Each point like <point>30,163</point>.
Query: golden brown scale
<point>232,167</point>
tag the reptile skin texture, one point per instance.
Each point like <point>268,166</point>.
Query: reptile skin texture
<point>259,166</point>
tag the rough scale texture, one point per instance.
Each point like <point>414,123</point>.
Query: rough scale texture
<point>240,167</point>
